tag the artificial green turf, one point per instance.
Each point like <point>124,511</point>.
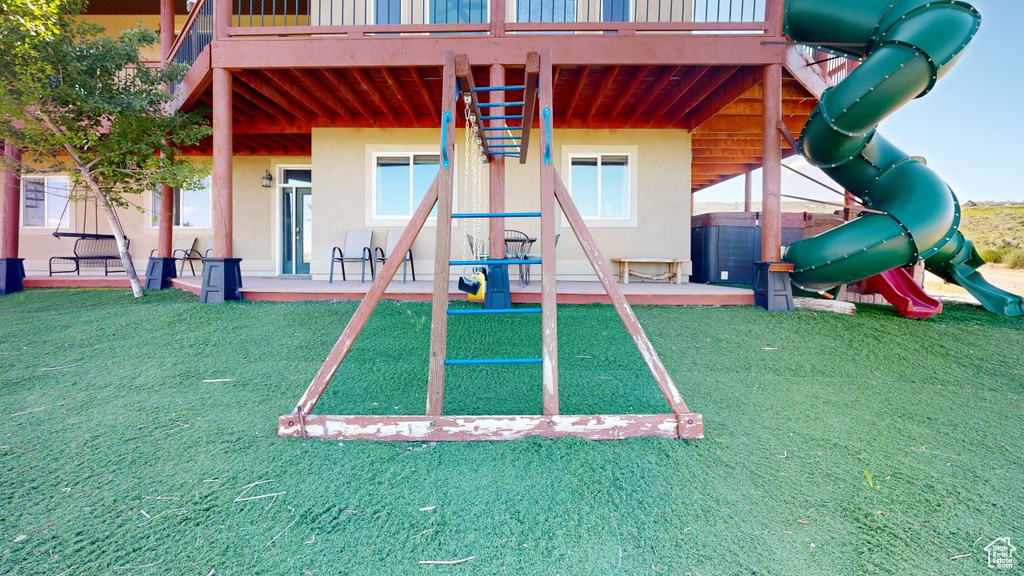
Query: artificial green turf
<point>129,464</point>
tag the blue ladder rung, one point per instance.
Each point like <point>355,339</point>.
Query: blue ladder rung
<point>502,262</point>
<point>497,88</point>
<point>505,117</point>
<point>476,311</point>
<point>515,147</point>
<point>485,361</point>
<point>501,128</point>
<point>500,104</point>
<point>512,138</point>
<point>497,215</point>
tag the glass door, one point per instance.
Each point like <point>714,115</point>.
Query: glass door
<point>296,221</point>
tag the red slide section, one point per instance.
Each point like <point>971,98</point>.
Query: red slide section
<point>898,287</point>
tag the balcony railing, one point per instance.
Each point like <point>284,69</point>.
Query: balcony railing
<point>196,34</point>
<point>480,17</point>
<point>833,67</point>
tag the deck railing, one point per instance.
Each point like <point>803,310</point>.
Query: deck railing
<point>196,35</point>
<point>481,17</point>
<point>833,67</point>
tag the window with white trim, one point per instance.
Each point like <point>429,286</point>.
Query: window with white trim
<point>400,181</point>
<point>43,201</point>
<point>603,186</point>
<point>192,208</point>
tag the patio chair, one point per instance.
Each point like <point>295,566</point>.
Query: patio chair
<point>382,255</point>
<point>517,247</point>
<point>357,249</point>
<point>197,256</point>
<point>524,278</point>
<point>474,245</point>
<point>183,249</point>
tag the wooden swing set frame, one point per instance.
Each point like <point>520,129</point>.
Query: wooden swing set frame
<point>434,425</point>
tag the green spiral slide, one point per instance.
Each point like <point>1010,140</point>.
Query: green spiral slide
<point>908,46</point>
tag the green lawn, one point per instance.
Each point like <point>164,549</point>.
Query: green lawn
<point>123,461</point>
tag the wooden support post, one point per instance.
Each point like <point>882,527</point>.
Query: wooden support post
<point>548,300</point>
<point>775,16</point>
<point>497,19</point>
<point>464,74</point>
<point>496,202</point>
<point>629,319</point>
<point>849,200</point>
<point>166,27</point>
<point>747,191</point>
<point>443,246</point>
<point>221,18</point>
<point>223,149</point>
<point>11,202</point>
<point>368,304</point>
<point>165,222</point>
<point>771,185</point>
<point>530,102</point>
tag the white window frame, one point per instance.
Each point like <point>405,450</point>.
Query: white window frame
<point>631,152</point>
<point>376,151</point>
<point>65,221</point>
<point>154,220</point>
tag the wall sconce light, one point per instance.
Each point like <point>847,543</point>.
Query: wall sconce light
<point>268,180</point>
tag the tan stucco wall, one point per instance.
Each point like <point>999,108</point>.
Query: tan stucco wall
<point>254,224</point>
<point>114,24</point>
<point>341,164</point>
<point>340,176</point>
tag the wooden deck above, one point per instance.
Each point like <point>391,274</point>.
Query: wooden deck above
<point>275,110</point>
<point>697,67</point>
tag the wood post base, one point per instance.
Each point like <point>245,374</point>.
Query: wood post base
<point>159,273</point>
<point>222,280</point>
<point>490,428</point>
<point>12,275</point>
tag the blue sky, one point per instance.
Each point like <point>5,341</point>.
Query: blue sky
<point>970,127</point>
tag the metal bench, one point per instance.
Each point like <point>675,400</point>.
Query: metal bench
<point>92,251</point>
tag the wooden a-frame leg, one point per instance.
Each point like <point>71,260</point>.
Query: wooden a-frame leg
<point>442,249</point>
<point>604,274</point>
<point>549,295</point>
<point>367,305</point>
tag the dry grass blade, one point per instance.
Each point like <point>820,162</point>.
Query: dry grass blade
<point>447,562</point>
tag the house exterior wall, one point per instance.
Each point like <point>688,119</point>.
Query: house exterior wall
<point>254,207</point>
<point>113,24</point>
<point>342,168</point>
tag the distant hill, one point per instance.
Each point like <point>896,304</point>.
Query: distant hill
<point>997,232</point>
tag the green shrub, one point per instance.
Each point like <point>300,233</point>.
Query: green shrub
<point>1014,258</point>
<point>992,255</point>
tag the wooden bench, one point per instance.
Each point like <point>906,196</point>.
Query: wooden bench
<point>675,268</point>
<point>92,250</point>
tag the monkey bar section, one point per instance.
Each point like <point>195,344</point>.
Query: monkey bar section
<point>436,426</point>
